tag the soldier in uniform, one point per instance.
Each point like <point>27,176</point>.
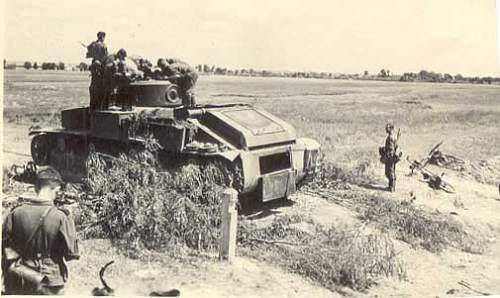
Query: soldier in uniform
<point>37,239</point>
<point>182,74</point>
<point>98,51</point>
<point>114,70</point>
<point>391,156</point>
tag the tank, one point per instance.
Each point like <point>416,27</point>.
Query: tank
<point>261,151</point>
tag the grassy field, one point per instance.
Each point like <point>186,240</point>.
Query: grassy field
<point>348,119</point>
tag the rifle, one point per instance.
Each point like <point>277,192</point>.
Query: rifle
<point>87,55</point>
<point>82,44</point>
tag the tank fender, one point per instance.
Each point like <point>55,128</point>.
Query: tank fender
<point>229,155</point>
<point>305,155</point>
<point>37,133</point>
<point>250,165</point>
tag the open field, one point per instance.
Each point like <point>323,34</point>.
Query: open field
<point>348,119</point>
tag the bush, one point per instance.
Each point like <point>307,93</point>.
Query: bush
<point>332,256</point>
<point>331,176</point>
<point>138,207</point>
<point>432,231</point>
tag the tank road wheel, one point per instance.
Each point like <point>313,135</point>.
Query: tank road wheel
<point>40,150</point>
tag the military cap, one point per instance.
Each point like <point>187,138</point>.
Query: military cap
<point>101,33</point>
<point>49,173</point>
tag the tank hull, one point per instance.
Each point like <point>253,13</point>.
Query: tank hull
<point>261,150</point>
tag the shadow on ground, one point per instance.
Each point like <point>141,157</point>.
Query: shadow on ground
<point>255,209</point>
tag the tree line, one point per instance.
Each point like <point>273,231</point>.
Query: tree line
<point>382,75</point>
<point>35,65</point>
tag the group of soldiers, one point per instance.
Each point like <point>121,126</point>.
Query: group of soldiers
<point>38,237</point>
<point>112,73</point>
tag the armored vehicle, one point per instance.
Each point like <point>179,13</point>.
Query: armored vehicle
<point>261,151</point>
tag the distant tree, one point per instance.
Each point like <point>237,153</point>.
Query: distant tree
<point>487,80</point>
<point>366,73</point>
<point>4,63</point>
<point>83,66</point>
<point>459,77</point>
<point>27,65</point>
<point>447,77</point>
<point>49,66</point>
<point>61,66</point>
<point>382,73</point>
<point>423,75</point>
<point>35,65</point>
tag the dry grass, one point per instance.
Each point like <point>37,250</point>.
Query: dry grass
<point>331,256</point>
<point>415,225</point>
<point>433,231</point>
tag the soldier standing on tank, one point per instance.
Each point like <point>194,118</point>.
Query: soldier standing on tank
<point>98,51</point>
<point>391,156</point>
<point>38,237</point>
<point>182,74</point>
<point>114,74</point>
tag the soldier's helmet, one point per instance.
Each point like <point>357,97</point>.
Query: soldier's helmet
<point>48,173</point>
<point>162,63</point>
<point>389,127</point>
<point>121,53</point>
<point>101,34</point>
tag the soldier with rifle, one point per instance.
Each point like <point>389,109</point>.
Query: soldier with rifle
<point>37,239</point>
<point>389,155</point>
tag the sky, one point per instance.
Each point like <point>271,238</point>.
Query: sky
<point>453,36</point>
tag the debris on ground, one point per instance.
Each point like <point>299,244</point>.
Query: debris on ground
<point>483,171</point>
<point>435,181</point>
<point>447,161</point>
<point>465,284</point>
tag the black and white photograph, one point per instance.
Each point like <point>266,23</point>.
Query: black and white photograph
<point>232,148</point>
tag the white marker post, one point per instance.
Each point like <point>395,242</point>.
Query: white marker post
<point>229,224</point>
